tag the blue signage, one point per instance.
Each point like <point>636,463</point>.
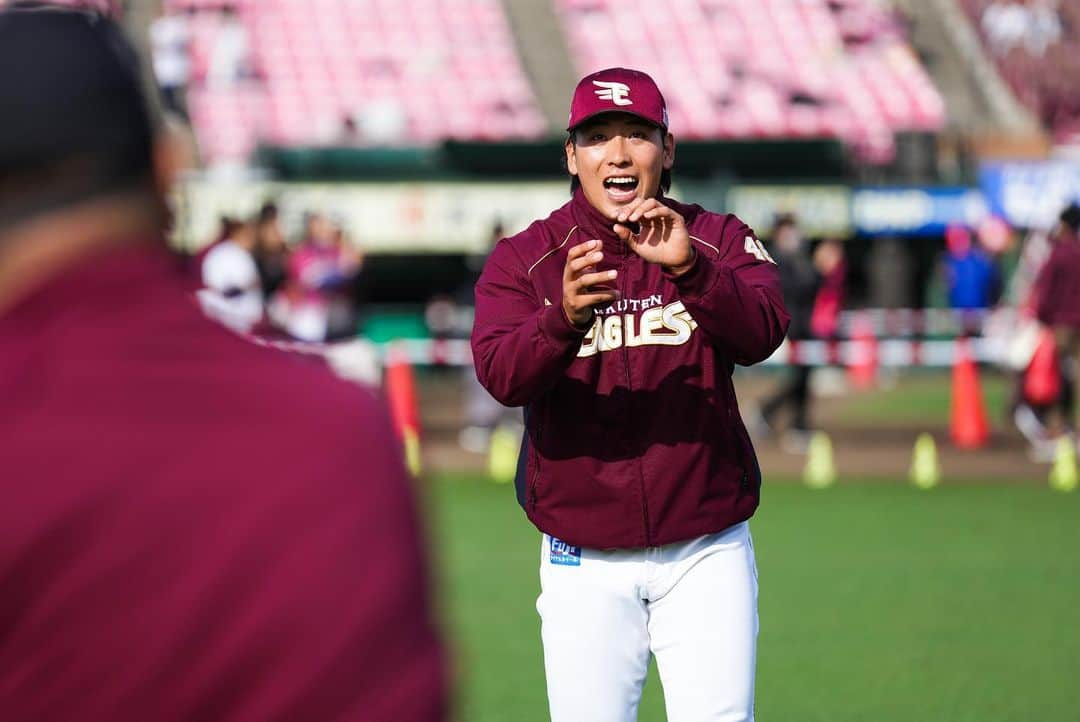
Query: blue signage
<point>916,211</point>
<point>1030,194</point>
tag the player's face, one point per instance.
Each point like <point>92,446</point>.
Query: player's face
<point>619,158</point>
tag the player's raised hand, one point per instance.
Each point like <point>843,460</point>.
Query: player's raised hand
<point>656,233</point>
<point>583,286</point>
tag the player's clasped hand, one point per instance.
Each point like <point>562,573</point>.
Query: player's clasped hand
<point>583,286</point>
<point>660,235</point>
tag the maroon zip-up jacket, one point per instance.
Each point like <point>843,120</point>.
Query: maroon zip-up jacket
<point>633,434</point>
<point>1057,293</point>
<point>193,527</point>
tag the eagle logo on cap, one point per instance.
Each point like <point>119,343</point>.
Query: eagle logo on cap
<point>615,92</point>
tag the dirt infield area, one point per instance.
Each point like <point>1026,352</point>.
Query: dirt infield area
<point>872,431</point>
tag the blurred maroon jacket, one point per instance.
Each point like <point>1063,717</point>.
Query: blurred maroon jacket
<point>1057,288</point>
<point>193,527</point>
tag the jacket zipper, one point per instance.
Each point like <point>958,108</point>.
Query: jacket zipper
<point>629,396</point>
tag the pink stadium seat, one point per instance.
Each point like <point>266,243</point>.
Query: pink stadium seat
<point>451,65</point>
<point>788,68</point>
<point>730,68</point>
<point>230,120</point>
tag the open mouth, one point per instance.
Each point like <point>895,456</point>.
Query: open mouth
<point>621,187</point>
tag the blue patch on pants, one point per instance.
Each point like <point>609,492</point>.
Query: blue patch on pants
<point>564,554</point>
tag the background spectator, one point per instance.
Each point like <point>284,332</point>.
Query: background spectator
<point>230,60</point>
<point>971,275</point>
<point>482,412</point>
<point>170,40</point>
<point>319,273</point>
<point>271,251</point>
<point>800,282</point>
<point>1034,25</point>
<point>1057,303</point>
<point>830,262</point>
<point>231,290</point>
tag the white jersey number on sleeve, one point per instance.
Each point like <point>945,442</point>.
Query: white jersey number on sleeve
<point>754,248</point>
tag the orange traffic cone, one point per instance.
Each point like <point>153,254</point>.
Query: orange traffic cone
<point>968,427</point>
<point>863,364</point>
<point>400,388</point>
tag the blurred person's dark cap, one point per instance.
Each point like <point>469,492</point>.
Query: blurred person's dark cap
<point>268,212</point>
<point>71,94</point>
<point>784,219</point>
<point>1071,216</point>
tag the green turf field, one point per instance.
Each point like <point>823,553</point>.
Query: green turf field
<point>920,399</point>
<point>877,603</point>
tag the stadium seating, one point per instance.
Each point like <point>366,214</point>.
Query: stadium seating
<point>420,71</point>
<point>402,71</point>
<point>766,69</point>
<point>1046,80</point>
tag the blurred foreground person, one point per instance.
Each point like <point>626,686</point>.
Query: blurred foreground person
<point>193,527</point>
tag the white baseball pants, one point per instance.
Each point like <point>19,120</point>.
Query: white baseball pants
<point>692,604</point>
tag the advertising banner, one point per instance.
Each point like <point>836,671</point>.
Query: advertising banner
<point>1030,194</point>
<point>916,211</point>
<point>377,217</point>
<point>821,210</point>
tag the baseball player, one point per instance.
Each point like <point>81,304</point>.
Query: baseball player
<point>1057,305</point>
<point>616,322</point>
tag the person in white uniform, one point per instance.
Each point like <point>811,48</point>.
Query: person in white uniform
<point>232,292</point>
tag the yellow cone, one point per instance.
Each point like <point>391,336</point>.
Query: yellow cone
<point>925,470</point>
<point>503,455</point>
<point>1063,475</point>
<point>820,471</point>
<point>411,441</point>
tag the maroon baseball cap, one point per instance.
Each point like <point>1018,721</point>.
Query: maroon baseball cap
<point>619,90</point>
